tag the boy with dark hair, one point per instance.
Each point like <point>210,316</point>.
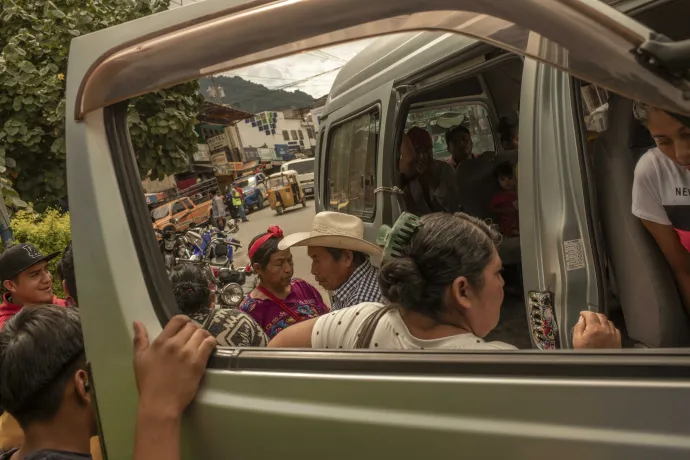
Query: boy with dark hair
<point>46,388</point>
<point>505,202</point>
<point>66,273</point>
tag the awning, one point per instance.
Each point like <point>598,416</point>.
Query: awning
<point>220,114</point>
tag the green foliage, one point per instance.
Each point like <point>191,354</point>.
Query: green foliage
<point>34,44</point>
<point>49,232</point>
<point>254,98</point>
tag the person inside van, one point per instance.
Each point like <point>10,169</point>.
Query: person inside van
<point>661,190</point>
<point>445,292</point>
<point>279,301</point>
<point>509,134</point>
<point>504,203</point>
<point>429,184</point>
<point>46,387</point>
<point>460,145</point>
<point>230,327</point>
<point>340,258</point>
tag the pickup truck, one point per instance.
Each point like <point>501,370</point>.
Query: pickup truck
<point>181,214</point>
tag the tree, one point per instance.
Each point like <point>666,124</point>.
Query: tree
<point>34,43</point>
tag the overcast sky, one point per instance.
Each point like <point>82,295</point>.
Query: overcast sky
<point>312,72</point>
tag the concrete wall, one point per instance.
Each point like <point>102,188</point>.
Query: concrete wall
<point>155,186</point>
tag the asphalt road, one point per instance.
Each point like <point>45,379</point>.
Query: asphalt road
<point>296,219</point>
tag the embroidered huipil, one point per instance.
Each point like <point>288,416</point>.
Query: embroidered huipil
<point>304,300</point>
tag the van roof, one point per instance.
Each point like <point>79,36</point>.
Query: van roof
<point>391,58</point>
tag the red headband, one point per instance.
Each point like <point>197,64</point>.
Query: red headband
<point>273,232</point>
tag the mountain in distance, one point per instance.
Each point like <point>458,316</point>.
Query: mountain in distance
<point>252,97</point>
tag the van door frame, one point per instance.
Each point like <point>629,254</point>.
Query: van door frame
<point>383,99</point>
<point>556,232</point>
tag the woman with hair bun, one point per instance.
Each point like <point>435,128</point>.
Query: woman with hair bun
<point>445,292</point>
<point>230,327</point>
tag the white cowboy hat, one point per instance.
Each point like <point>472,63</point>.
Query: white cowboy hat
<point>333,230</point>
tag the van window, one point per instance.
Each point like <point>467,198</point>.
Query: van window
<point>437,119</point>
<point>302,167</point>
<point>351,173</point>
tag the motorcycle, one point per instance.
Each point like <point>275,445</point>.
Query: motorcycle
<point>167,244</point>
<point>214,247</point>
<point>226,284</point>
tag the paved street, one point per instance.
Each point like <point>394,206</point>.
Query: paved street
<point>297,219</point>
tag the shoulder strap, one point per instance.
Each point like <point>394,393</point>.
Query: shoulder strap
<point>280,303</point>
<point>369,327</point>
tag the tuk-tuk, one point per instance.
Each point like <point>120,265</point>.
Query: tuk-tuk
<point>285,191</point>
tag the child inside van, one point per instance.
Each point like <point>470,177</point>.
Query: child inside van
<point>505,202</point>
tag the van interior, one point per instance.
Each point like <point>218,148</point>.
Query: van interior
<point>641,297</point>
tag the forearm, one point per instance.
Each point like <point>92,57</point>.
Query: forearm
<point>157,435</point>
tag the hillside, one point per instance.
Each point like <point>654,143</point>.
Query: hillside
<point>251,97</point>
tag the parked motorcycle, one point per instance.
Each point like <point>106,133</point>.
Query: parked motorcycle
<point>214,247</point>
<point>226,283</point>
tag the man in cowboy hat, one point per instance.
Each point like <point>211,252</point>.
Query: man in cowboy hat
<point>340,258</point>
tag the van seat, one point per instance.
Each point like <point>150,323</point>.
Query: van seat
<point>477,186</point>
<point>653,312</point>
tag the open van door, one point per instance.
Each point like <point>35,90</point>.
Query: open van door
<point>258,402</point>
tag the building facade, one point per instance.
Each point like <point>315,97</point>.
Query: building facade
<point>288,133</point>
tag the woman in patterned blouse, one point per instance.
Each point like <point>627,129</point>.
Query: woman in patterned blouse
<point>280,300</point>
<point>230,327</point>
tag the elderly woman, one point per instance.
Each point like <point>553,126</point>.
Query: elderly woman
<point>231,328</point>
<point>661,190</point>
<point>446,292</point>
<point>280,300</point>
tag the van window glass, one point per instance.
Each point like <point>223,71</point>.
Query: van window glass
<point>437,119</point>
<point>351,172</point>
<point>161,212</point>
<point>177,207</point>
<point>302,167</point>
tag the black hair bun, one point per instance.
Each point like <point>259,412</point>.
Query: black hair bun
<point>402,282</point>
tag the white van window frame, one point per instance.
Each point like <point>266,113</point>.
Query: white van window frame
<point>370,214</point>
<point>629,364</point>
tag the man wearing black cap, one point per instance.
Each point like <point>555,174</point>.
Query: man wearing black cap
<point>24,274</point>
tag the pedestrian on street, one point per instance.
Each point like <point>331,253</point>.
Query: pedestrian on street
<point>218,208</point>
<point>340,258</point>
<point>238,202</point>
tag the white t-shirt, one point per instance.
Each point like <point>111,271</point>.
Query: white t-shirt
<point>661,193</point>
<point>339,329</point>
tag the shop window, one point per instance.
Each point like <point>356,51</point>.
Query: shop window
<point>301,135</point>
<point>294,135</point>
<point>351,163</point>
